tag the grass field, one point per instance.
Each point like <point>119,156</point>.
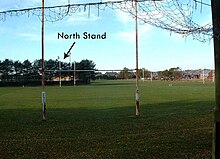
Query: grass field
<point>98,121</point>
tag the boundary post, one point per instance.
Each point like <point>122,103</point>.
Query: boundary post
<point>216,38</point>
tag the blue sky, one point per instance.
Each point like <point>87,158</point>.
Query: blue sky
<point>20,39</point>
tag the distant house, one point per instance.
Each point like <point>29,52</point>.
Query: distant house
<point>196,74</point>
<point>67,78</point>
<point>107,75</point>
<point>155,76</point>
<point>112,74</point>
<point>211,75</point>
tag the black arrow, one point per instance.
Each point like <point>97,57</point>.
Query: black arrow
<point>68,52</point>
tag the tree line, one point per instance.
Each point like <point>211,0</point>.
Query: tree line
<point>27,72</point>
<point>174,73</point>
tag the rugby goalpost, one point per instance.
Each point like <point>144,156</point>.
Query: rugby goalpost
<point>137,99</point>
<point>216,23</point>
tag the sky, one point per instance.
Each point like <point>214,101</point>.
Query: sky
<point>20,39</point>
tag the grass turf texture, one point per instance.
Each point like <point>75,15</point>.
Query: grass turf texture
<point>98,121</point>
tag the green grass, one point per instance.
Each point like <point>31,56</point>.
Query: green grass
<point>98,121</point>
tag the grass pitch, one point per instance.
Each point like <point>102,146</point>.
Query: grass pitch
<point>98,121</point>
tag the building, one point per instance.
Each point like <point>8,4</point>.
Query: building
<point>197,74</point>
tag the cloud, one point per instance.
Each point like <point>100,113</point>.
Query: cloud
<point>81,18</point>
<point>124,18</point>
<point>129,36</point>
<point>30,36</point>
<point>110,0</point>
<point>122,15</point>
<point>18,4</point>
<point>126,36</point>
<point>37,37</point>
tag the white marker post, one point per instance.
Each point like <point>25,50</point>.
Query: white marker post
<point>74,73</point>
<point>203,76</point>
<point>151,77</point>
<point>59,71</point>
<point>71,66</point>
<point>213,76</point>
<point>44,104</point>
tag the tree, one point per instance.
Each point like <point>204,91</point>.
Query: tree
<point>50,65</point>
<point>176,73</point>
<point>8,69</point>
<point>36,72</point>
<point>18,69</point>
<point>166,74</point>
<point>86,76</point>
<point>126,74</point>
<point>27,70</point>
<point>144,72</point>
<point>172,74</point>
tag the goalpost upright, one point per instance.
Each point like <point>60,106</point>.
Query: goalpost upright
<point>137,75</point>
<point>43,82</point>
